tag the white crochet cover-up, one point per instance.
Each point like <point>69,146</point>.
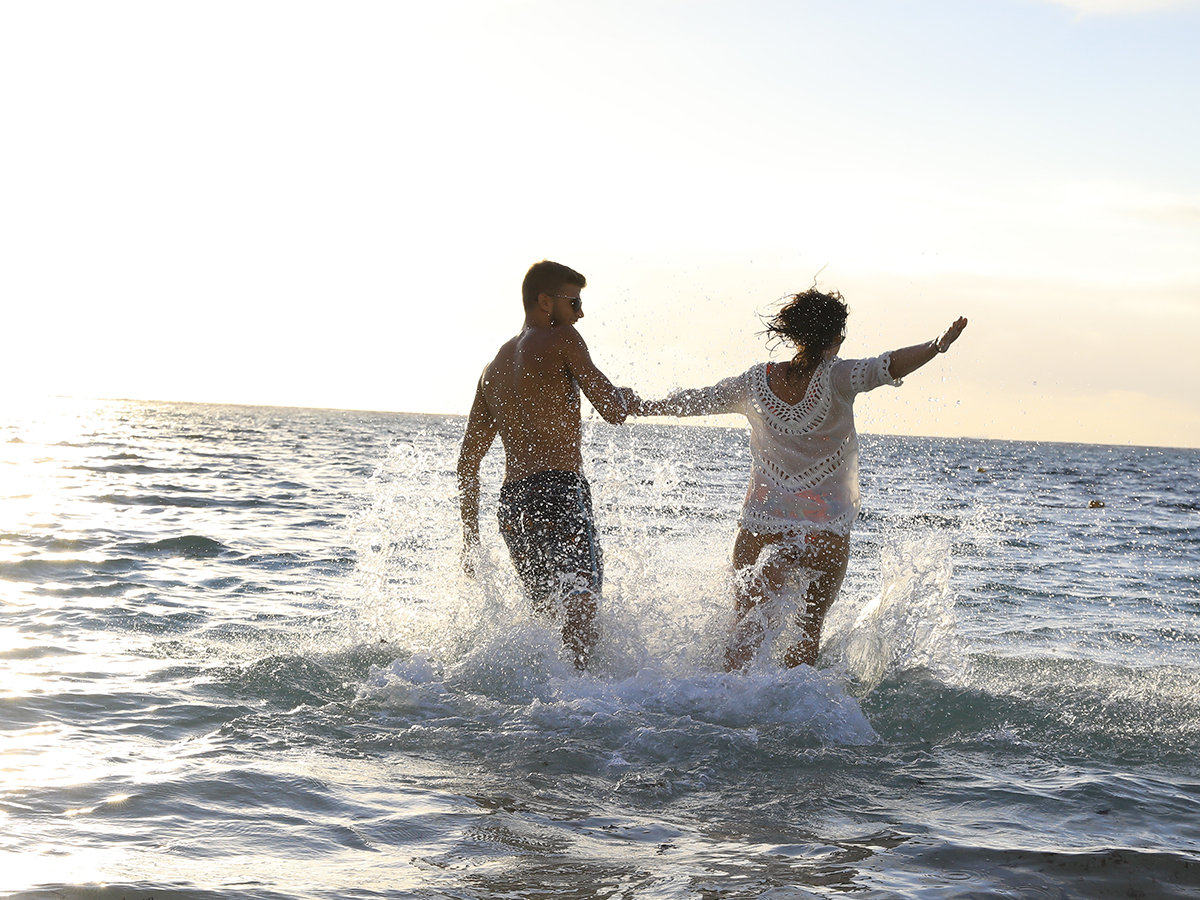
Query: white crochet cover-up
<point>804,457</point>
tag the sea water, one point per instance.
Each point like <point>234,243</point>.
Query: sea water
<point>239,658</point>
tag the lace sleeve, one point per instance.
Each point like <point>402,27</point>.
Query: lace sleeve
<point>727,396</point>
<point>855,376</point>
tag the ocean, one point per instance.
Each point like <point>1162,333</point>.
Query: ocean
<point>240,659</point>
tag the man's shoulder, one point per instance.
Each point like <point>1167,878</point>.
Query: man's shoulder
<point>558,336</point>
<point>562,342</point>
<point>506,352</point>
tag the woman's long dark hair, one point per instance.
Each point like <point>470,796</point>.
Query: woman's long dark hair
<point>812,322</point>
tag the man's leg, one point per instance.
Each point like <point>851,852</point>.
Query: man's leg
<point>554,547</point>
<point>579,631</point>
<point>581,563</point>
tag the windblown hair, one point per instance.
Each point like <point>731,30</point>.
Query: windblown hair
<point>812,322</point>
<point>548,277</point>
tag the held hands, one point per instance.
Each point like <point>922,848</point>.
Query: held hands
<point>950,335</point>
<point>642,407</point>
<point>631,401</point>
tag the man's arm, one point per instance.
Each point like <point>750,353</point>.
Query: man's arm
<point>481,431</point>
<point>613,403</point>
<point>909,359</point>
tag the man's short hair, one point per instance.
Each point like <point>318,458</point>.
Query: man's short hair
<point>548,277</point>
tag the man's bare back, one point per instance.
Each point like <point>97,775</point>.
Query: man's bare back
<point>533,394</point>
<point>529,395</point>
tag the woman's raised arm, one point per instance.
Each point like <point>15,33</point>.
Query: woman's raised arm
<point>909,359</point>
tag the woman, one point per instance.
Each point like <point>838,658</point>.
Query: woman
<point>803,496</point>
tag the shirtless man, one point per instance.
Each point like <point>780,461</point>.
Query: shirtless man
<point>529,394</point>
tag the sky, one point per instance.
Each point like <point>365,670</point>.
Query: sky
<point>333,204</point>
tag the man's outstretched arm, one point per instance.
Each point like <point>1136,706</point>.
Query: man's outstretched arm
<point>613,403</point>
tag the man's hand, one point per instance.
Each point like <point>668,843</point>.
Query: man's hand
<point>470,552</point>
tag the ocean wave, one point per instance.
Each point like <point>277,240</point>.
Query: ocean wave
<point>1105,873</point>
<point>525,684</point>
<point>188,546</point>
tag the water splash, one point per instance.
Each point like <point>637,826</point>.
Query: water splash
<point>908,626</point>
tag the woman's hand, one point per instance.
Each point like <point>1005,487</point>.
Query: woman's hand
<point>950,335</point>
<point>909,359</point>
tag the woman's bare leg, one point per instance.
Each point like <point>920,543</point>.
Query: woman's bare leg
<point>750,590</point>
<point>828,555</point>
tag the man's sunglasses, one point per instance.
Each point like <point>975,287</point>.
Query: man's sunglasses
<point>576,302</point>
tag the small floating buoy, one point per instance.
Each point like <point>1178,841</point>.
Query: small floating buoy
<point>981,470</point>
<point>1096,504</point>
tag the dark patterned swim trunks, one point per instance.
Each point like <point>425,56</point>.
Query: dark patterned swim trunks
<point>547,522</point>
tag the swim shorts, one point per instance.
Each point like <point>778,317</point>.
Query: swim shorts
<point>546,519</point>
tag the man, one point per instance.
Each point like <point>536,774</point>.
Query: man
<point>529,394</point>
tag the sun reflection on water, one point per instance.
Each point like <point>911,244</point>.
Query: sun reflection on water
<point>40,440</point>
